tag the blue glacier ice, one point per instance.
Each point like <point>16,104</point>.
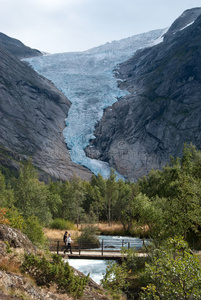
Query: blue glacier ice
<point>87,80</point>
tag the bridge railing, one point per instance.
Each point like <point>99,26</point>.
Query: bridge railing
<point>105,246</point>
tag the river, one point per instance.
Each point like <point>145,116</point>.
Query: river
<point>97,267</point>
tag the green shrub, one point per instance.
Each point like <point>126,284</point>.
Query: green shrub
<point>115,279</point>
<point>62,224</point>
<point>15,218</point>
<point>58,272</point>
<point>34,231</point>
<point>58,224</point>
<point>89,236</point>
<point>70,225</point>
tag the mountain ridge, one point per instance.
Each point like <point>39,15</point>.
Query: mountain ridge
<point>32,114</point>
<point>162,109</point>
<point>87,79</point>
<point>17,48</point>
<point>151,120</point>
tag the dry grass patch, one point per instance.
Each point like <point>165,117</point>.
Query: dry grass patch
<point>57,234</point>
<point>10,265</point>
<point>114,229</point>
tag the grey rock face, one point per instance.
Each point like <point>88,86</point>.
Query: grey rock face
<point>32,115</point>
<point>15,238</point>
<point>17,48</point>
<point>163,108</point>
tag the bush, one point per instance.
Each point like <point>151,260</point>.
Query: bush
<point>47,273</point>
<point>89,236</point>
<point>70,225</point>
<point>62,224</point>
<point>115,279</point>
<point>173,273</point>
<point>58,224</point>
<point>15,218</point>
<point>34,231</point>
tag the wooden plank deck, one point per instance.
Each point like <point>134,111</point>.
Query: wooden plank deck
<point>90,254</point>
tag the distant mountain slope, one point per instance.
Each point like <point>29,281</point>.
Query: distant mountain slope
<point>17,48</point>
<point>88,80</point>
<point>163,108</point>
<point>32,114</point>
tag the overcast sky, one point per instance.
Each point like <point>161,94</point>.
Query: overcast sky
<point>76,25</point>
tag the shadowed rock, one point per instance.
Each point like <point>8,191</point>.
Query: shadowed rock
<point>163,108</point>
<point>32,118</point>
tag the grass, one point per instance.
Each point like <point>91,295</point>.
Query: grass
<point>103,228</point>
<point>57,234</point>
<point>10,265</point>
<point>114,229</point>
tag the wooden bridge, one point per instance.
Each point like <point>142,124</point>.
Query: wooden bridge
<point>86,251</point>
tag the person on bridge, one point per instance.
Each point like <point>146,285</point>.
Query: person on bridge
<point>65,237</point>
<point>68,244</point>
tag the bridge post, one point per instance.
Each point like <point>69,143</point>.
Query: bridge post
<point>57,247</point>
<point>128,245</point>
<point>122,243</point>
<point>80,245</point>
<point>102,248</point>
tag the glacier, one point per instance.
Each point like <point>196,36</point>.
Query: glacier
<point>87,80</point>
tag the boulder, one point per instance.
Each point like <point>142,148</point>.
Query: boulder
<point>15,238</point>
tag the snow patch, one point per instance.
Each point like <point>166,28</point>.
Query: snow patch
<point>186,26</point>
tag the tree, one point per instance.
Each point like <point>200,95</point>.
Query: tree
<point>53,199</point>
<point>31,195</point>
<point>6,193</point>
<point>98,204</point>
<point>65,195</point>
<point>77,198</point>
<point>183,211</point>
<point>173,273</point>
<point>178,188</point>
<point>115,279</point>
<point>111,195</point>
<point>127,206</point>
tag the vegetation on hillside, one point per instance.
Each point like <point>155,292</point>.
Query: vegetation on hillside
<point>57,271</point>
<point>163,205</point>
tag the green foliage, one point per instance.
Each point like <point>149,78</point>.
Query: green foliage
<point>54,200</point>
<point>70,225</point>
<point>31,195</point>
<point>173,273</point>
<point>89,236</point>
<point>6,193</point>
<point>58,224</point>
<point>34,231</point>
<point>57,271</point>
<point>111,195</point>
<point>133,262</point>
<point>115,279</point>
<point>77,199</point>
<point>176,192</point>
<point>15,218</point>
<point>8,249</point>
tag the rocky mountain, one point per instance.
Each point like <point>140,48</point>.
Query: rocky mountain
<point>87,79</point>
<point>32,114</point>
<point>17,48</point>
<point>163,107</point>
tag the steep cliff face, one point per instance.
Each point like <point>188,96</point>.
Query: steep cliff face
<point>32,115</point>
<point>163,108</point>
<point>17,48</point>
